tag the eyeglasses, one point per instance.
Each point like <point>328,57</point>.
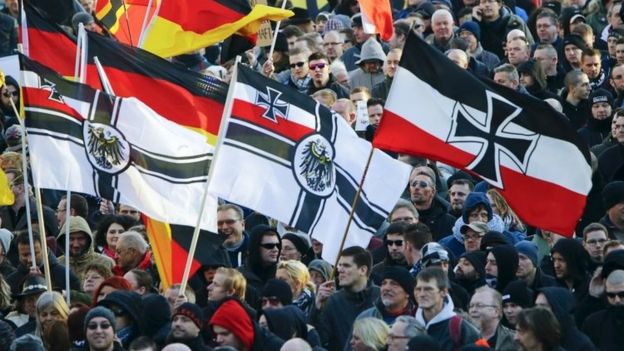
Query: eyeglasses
<point>9,94</point>
<point>619,294</point>
<point>394,242</point>
<point>317,65</point>
<point>403,219</point>
<point>480,306</point>
<point>596,241</point>
<point>227,221</point>
<point>297,64</point>
<point>421,184</point>
<point>272,300</point>
<point>271,246</point>
<point>94,326</point>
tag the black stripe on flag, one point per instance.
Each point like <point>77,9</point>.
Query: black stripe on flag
<point>307,212</point>
<point>110,18</point>
<point>178,170</point>
<point>258,138</point>
<point>436,70</point>
<point>42,119</point>
<point>347,191</point>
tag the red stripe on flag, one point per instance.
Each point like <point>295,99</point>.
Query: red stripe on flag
<point>558,208</point>
<point>198,16</point>
<point>40,98</point>
<point>253,114</point>
<point>167,99</point>
<point>44,43</point>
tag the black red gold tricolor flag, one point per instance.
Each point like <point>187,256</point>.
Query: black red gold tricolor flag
<point>125,18</point>
<point>182,26</point>
<point>183,96</point>
<point>171,244</point>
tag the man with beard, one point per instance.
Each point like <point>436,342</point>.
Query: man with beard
<point>599,124</point>
<point>604,327</point>
<point>458,191</point>
<point>80,246</point>
<point>432,211</point>
<point>394,241</point>
<point>186,323</point>
<point>570,262</point>
<point>470,271</point>
<point>395,290</point>
<point>231,227</point>
<point>528,267</point>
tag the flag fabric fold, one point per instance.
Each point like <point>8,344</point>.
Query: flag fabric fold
<point>125,18</point>
<point>83,140</point>
<point>183,26</point>
<point>183,96</point>
<point>283,154</point>
<point>515,142</point>
<point>377,17</point>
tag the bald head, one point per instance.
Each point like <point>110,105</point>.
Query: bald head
<point>346,109</point>
<point>459,57</point>
<point>296,344</point>
<point>176,347</point>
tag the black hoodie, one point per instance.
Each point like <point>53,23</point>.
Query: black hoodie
<point>561,304</point>
<point>577,260</point>
<point>507,263</point>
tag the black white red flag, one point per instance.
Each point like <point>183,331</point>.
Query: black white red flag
<point>515,142</point>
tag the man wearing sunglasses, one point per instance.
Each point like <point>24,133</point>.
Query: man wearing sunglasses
<point>394,240</point>
<point>318,64</point>
<point>100,328</point>
<point>297,77</point>
<point>604,327</point>
<point>263,253</point>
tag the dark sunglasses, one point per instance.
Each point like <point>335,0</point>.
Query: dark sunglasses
<point>271,246</point>
<point>94,326</point>
<point>421,184</point>
<point>317,65</point>
<point>394,242</point>
<point>297,64</point>
<point>619,294</point>
<point>14,93</point>
<point>273,301</point>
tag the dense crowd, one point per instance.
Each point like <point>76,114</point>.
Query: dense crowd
<point>452,268</point>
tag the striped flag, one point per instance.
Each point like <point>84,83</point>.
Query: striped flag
<point>283,154</point>
<point>377,17</point>
<point>84,140</point>
<point>515,142</point>
<point>125,18</point>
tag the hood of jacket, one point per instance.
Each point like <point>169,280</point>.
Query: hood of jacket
<point>446,313</point>
<point>575,256</point>
<point>507,262</point>
<point>371,50</point>
<point>76,224</point>
<point>495,224</point>
<point>473,200</point>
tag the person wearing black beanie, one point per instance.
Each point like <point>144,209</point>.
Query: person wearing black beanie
<point>598,126</point>
<point>516,297</point>
<point>501,266</point>
<point>396,296</point>
<point>613,199</point>
<point>470,271</point>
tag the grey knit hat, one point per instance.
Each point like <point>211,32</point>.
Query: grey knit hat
<point>100,311</point>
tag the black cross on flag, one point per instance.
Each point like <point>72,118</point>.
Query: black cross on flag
<point>495,136</point>
<point>274,106</point>
<point>513,141</point>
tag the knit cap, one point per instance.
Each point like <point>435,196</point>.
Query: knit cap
<point>232,316</point>
<point>191,311</point>
<point>103,312</point>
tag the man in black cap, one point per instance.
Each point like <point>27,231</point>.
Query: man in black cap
<point>613,200</point>
<point>599,124</point>
<point>516,297</point>
<point>186,323</point>
<point>573,47</point>
<point>395,297</point>
<point>604,327</point>
<point>100,326</point>
<point>470,271</point>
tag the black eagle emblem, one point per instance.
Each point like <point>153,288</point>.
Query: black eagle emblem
<point>105,148</point>
<point>317,166</point>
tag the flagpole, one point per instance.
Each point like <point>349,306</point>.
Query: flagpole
<point>189,260</point>
<point>277,27</point>
<point>25,44</point>
<point>145,21</point>
<point>352,212</point>
<point>149,26</point>
<point>42,232</point>
<point>67,218</point>
<point>123,2</point>
<point>103,77</point>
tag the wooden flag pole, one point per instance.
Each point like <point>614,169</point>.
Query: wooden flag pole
<point>352,212</point>
<point>42,231</point>
<point>123,2</point>
<point>277,27</point>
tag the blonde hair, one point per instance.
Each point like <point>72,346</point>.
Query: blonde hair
<point>51,299</point>
<point>506,213</point>
<point>298,272</point>
<point>372,332</point>
<point>234,280</point>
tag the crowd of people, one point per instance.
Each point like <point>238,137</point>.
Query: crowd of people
<point>452,268</point>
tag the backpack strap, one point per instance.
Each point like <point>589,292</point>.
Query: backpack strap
<point>455,330</point>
